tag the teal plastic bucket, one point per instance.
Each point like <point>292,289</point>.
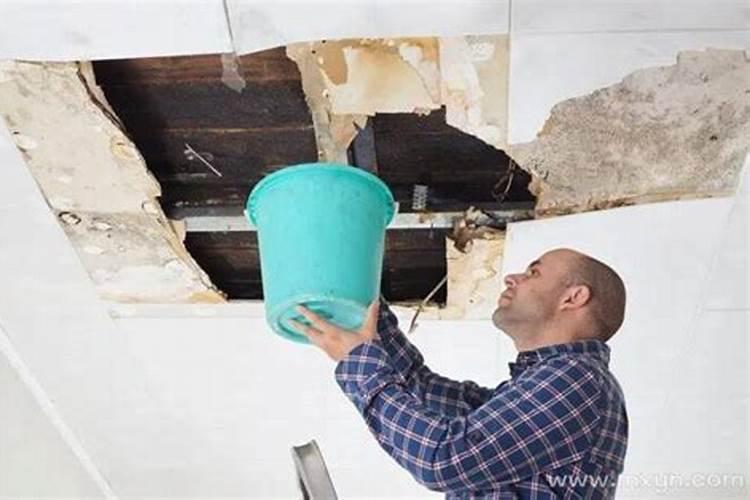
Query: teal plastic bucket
<point>321,238</point>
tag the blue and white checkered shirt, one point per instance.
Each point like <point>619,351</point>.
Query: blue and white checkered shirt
<point>557,429</point>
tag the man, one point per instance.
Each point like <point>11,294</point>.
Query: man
<point>557,429</point>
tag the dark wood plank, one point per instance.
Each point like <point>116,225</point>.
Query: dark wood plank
<point>410,123</point>
<point>227,260</point>
<point>242,290</point>
<point>231,260</point>
<point>267,65</point>
<point>194,105</point>
<point>245,240</point>
<point>458,168</point>
<point>438,158</point>
<point>240,155</point>
<point>413,285</point>
<point>412,239</point>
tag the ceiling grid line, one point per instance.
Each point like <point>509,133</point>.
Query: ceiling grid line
<point>50,411</point>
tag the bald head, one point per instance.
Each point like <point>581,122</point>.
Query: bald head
<point>562,296</point>
<point>607,301</point>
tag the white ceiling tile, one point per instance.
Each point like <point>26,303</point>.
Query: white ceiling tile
<point>258,25</point>
<point>553,16</point>
<point>728,283</point>
<point>31,443</point>
<point>52,30</point>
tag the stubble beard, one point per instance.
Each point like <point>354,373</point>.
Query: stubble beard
<point>505,318</point>
<point>498,319</point>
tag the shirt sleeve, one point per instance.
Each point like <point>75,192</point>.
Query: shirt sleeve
<point>441,394</point>
<point>538,424</point>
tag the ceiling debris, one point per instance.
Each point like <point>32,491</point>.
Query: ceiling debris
<point>347,80</point>
<point>379,76</point>
<point>230,74</point>
<point>97,183</point>
<point>665,133</point>
<point>134,258</point>
<point>475,224</point>
<point>474,72</point>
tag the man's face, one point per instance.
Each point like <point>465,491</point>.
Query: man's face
<point>531,298</point>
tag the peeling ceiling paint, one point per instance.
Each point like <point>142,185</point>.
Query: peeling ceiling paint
<point>474,277</point>
<point>474,71</point>
<point>333,133</point>
<point>347,80</point>
<point>665,133</point>
<point>69,142</point>
<point>97,183</point>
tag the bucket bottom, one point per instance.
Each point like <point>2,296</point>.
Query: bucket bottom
<point>344,313</point>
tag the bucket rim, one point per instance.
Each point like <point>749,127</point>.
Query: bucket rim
<point>281,174</point>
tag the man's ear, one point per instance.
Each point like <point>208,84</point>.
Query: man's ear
<point>576,296</point>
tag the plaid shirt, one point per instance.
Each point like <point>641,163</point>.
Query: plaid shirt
<point>557,429</point>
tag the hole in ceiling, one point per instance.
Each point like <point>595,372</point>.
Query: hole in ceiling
<point>208,145</point>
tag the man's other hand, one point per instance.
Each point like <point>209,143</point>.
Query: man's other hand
<point>335,341</point>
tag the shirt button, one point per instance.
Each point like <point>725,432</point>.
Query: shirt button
<point>475,436</point>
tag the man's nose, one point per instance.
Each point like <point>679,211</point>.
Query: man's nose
<point>511,280</point>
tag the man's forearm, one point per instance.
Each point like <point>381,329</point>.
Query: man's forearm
<point>442,394</point>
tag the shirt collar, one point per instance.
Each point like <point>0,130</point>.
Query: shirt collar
<point>591,347</point>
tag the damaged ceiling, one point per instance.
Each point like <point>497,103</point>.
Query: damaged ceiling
<point>95,180</point>
<point>152,143</point>
<point>347,80</point>
<point>208,144</point>
<point>664,133</point>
